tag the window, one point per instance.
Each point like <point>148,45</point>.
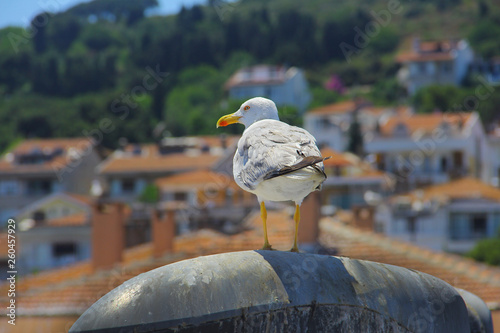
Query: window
<point>459,226</point>
<point>444,164</point>
<point>180,196</point>
<point>39,187</point>
<point>63,249</point>
<point>446,67</point>
<point>427,164</point>
<point>479,226</point>
<point>9,187</point>
<point>465,226</point>
<point>39,216</point>
<point>128,185</point>
<point>458,159</point>
<point>422,67</point>
<point>496,224</point>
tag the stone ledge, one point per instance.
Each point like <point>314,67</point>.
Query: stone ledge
<point>255,291</point>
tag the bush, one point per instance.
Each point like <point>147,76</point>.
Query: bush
<point>487,250</point>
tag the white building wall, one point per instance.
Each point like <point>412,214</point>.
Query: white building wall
<point>294,91</point>
<point>494,161</point>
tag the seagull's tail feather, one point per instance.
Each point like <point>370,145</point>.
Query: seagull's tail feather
<point>304,163</point>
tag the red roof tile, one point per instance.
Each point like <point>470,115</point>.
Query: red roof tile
<point>74,289</point>
<point>339,107</point>
<point>419,57</point>
<point>194,178</point>
<point>149,159</point>
<point>9,164</point>
<point>464,188</point>
<point>480,279</point>
<point>78,219</point>
<point>165,163</point>
<point>425,122</point>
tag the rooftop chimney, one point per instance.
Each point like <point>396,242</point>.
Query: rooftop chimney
<point>163,229</point>
<point>309,222</point>
<point>108,234</point>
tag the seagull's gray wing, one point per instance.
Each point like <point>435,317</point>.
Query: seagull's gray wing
<point>271,148</point>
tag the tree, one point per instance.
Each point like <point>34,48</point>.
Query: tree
<point>150,194</point>
<point>482,38</point>
<point>38,25</point>
<point>440,97</point>
<point>487,250</point>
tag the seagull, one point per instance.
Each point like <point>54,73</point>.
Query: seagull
<point>274,161</point>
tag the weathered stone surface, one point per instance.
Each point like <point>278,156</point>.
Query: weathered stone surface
<point>259,291</point>
<point>479,315</point>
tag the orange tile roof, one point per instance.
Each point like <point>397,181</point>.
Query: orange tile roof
<point>158,163</point>
<point>71,290</point>
<point>464,188</point>
<point>424,122</point>
<point>347,159</point>
<point>196,142</point>
<point>460,272</point>
<point>339,107</point>
<point>432,50</point>
<point>337,158</point>
<point>421,57</point>
<point>74,289</point>
<point>8,162</point>
<point>198,178</point>
<point>437,45</point>
<point>28,145</point>
<point>150,160</point>
<point>78,219</point>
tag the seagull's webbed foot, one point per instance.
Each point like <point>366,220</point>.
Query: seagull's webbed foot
<point>267,247</point>
<point>295,249</point>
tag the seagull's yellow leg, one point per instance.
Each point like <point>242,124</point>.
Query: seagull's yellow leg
<point>263,215</point>
<point>296,218</point>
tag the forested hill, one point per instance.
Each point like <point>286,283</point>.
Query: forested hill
<point>107,59</point>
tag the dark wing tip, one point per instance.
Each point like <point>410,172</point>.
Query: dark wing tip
<point>305,162</point>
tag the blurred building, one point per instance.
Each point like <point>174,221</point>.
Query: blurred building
<point>494,155</point>
<point>54,232</point>
<point>131,168</point>
<point>205,199</point>
<point>424,149</point>
<point>36,168</point>
<point>434,62</point>
<point>330,124</point>
<point>448,217</point>
<point>349,178</point>
<point>60,296</point>
<point>284,85</point>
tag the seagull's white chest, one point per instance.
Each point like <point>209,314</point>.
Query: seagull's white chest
<point>292,187</point>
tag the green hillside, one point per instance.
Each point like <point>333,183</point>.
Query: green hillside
<point>107,60</point>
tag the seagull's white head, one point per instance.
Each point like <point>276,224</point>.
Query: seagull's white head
<point>253,110</point>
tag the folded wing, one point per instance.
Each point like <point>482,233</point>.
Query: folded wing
<point>270,148</point>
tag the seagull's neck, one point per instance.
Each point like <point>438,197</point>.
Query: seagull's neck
<point>259,120</point>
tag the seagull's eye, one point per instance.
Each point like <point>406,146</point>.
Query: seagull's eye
<point>246,108</point>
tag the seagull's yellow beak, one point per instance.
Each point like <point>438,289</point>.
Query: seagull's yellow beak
<point>227,120</point>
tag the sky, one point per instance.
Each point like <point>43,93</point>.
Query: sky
<point>20,12</point>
